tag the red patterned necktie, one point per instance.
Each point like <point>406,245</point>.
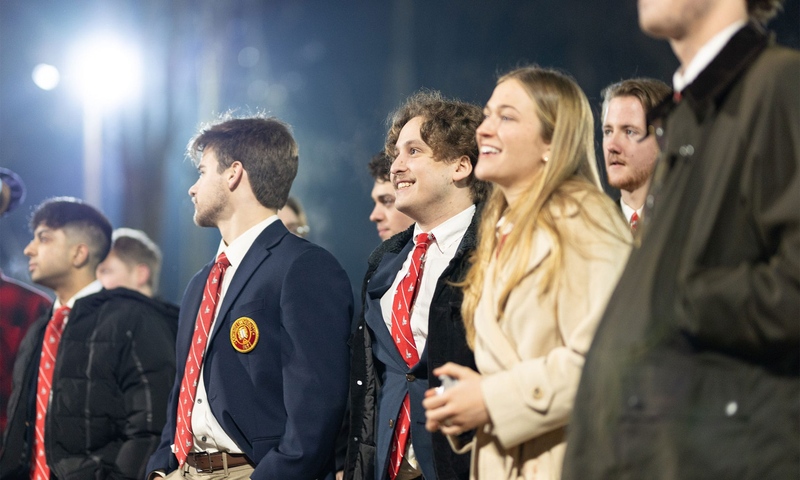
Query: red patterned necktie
<point>194,361</point>
<point>47,363</point>
<point>634,222</point>
<point>402,305</point>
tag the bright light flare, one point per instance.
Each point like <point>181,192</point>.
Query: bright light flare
<point>46,76</point>
<point>107,71</point>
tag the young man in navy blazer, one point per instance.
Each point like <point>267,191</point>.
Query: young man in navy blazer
<point>272,385</point>
<point>432,145</point>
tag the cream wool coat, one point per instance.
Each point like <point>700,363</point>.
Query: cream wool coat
<point>531,360</point>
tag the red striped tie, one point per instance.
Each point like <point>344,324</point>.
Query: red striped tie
<point>402,306</point>
<point>47,363</point>
<point>191,373</point>
<point>634,222</point>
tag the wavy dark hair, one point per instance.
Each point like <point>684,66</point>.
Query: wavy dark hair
<point>380,166</point>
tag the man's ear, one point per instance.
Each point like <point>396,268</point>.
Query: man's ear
<point>80,255</point>
<point>142,272</point>
<point>463,169</point>
<point>234,173</point>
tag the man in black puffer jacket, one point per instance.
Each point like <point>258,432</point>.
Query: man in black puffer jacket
<point>114,364</point>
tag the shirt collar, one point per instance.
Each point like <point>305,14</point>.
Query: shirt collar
<point>451,230</point>
<point>239,247</point>
<point>705,55</point>
<point>628,211</point>
<point>93,287</point>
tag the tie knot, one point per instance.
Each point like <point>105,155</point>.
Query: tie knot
<point>634,221</point>
<point>59,316</point>
<point>424,239</point>
<point>223,261</point>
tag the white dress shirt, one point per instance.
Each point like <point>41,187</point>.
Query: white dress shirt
<point>208,434</point>
<point>441,251</point>
<point>628,211</point>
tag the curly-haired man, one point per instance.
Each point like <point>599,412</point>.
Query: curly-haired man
<point>431,143</point>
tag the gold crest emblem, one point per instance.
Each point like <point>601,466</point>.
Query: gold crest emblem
<point>244,334</point>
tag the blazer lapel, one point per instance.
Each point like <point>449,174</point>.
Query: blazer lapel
<point>381,282</point>
<point>255,256</point>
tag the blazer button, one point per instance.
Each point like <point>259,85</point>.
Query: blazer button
<point>391,423</point>
<point>537,393</point>
<point>410,377</point>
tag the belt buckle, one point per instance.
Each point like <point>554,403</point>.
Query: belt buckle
<point>207,459</point>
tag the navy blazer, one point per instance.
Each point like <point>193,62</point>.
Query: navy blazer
<point>398,378</point>
<point>283,402</point>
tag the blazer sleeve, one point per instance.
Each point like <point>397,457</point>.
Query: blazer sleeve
<point>536,395</point>
<point>316,310</point>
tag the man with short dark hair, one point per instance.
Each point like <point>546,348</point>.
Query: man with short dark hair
<point>91,379</point>
<point>630,153</point>
<point>134,262</point>
<point>695,368</point>
<point>411,321</point>
<point>262,339</point>
<point>388,219</point>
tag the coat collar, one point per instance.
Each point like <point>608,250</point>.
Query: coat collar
<point>713,83</point>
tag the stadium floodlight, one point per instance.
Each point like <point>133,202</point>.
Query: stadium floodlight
<point>106,71</point>
<point>46,76</point>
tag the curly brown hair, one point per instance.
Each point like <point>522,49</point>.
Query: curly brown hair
<point>448,128</point>
<point>763,10</point>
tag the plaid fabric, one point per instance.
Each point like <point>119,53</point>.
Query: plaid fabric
<point>20,306</point>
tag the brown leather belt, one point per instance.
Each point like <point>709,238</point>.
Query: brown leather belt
<point>206,462</point>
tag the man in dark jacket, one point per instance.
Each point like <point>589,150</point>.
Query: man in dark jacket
<point>92,378</point>
<point>695,367</point>
<point>432,145</point>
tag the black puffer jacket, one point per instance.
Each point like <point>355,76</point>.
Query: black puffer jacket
<point>114,369</point>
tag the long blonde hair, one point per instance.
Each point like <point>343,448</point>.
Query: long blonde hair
<point>568,126</point>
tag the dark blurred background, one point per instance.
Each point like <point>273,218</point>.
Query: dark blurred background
<point>333,70</point>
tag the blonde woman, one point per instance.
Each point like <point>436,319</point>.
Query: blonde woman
<point>552,246</point>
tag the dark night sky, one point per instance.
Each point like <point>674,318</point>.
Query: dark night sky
<point>333,70</point>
